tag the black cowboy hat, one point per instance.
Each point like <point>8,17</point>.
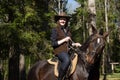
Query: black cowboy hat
<point>61,15</point>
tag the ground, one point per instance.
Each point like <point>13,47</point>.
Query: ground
<point>113,76</point>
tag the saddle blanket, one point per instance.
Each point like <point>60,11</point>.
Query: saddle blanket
<point>73,65</point>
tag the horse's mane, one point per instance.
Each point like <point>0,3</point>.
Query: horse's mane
<point>83,49</point>
<point>86,43</point>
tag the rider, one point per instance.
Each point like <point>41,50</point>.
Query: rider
<point>60,38</point>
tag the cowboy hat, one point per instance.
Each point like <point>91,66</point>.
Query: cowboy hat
<point>61,15</point>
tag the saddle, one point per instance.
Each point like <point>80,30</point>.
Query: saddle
<point>56,64</point>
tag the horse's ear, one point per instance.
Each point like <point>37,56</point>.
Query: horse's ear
<point>94,30</point>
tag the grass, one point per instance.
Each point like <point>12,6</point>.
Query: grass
<point>113,76</point>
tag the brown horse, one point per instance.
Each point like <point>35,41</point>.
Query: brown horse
<point>93,55</point>
<point>88,55</point>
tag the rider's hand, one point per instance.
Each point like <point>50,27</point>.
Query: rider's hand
<point>67,39</point>
<point>76,44</point>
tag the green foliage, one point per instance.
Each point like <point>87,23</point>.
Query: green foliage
<point>80,21</point>
<point>117,69</point>
<point>24,23</point>
<point>4,33</point>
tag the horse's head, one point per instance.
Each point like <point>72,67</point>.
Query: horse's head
<point>95,45</point>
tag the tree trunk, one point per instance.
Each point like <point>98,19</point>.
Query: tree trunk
<point>13,72</point>
<point>92,14</point>
<point>13,68</point>
<point>22,67</point>
<point>119,33</point>
<point>106,18</point>
<point>1,71</point>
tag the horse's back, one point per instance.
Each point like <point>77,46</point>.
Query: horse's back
<point>33,73</point>
<point>41,70</point>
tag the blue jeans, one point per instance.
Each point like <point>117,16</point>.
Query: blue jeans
<point>65,62</point>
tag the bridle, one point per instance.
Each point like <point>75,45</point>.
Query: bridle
<point>95,46</point>
<point>97,43</point>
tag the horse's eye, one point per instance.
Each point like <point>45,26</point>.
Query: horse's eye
<point>98,40</point>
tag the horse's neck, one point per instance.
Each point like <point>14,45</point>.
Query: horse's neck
<point>81,57</point>
<point>83,50</point>
<point>86,44</point>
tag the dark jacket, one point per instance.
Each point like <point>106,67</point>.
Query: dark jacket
<point>58,34</point>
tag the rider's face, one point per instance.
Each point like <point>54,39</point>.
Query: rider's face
<point>62,21</point>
